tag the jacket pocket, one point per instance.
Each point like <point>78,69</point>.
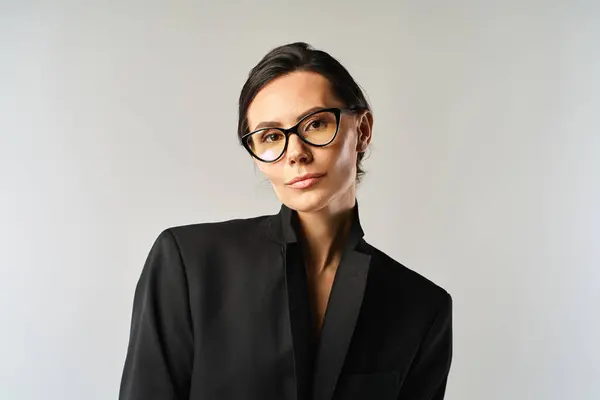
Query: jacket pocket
<point>370,386</point>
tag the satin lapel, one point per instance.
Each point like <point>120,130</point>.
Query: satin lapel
<point>299,310</point>
<point>342,312</point>
<point>281,231</point>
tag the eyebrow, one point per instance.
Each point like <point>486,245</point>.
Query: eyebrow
<point>276,124</point>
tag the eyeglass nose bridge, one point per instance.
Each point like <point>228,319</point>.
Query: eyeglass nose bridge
<point>294,129</point>
<point>288,132</point>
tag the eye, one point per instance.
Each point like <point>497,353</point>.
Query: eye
<point>271,136</point>
<point>317,124</point>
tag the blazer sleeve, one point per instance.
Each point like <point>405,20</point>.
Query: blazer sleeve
<point>159,357</point>
<point>428,375</point>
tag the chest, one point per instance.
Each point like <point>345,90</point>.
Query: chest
<point>319,291</point>
<point>253,332</point>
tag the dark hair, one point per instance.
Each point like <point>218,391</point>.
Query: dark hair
<point>301,56</point>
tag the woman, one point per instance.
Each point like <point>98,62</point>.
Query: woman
<point>294,305</point>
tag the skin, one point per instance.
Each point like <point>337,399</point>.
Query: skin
<point>324,209</point>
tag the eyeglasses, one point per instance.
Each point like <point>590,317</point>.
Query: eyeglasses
<point>318,129</point>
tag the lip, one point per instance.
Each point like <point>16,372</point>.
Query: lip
<point>304,181</point>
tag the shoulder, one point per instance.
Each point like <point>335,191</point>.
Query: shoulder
<point>405,283</point>
<point>219,233</point>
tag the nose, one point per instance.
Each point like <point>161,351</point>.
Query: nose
<point>298,151</point>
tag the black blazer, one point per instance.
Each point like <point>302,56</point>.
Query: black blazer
<point>221,312</point>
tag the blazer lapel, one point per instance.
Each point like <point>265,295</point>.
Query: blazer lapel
<point>343,307</point>
<point>340,319</point>
<point>299,309</point>
<point>281,231</point>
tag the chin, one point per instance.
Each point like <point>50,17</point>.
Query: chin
<point>306,201</point>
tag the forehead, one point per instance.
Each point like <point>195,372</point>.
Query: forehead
<point>285,98</point>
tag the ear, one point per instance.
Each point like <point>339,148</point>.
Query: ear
<point>364,131</point>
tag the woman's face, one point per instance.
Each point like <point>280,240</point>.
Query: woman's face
<point>284,101</point>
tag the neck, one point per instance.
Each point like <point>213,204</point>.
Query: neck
<point>324,233</point>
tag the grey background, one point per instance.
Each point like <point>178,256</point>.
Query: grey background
<point>117,120</point>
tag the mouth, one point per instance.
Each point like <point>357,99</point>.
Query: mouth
<point>304,181</point>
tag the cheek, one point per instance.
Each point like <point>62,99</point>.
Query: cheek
<point>345,157</point>
<point>269,154</point>
<point>272,171</point>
